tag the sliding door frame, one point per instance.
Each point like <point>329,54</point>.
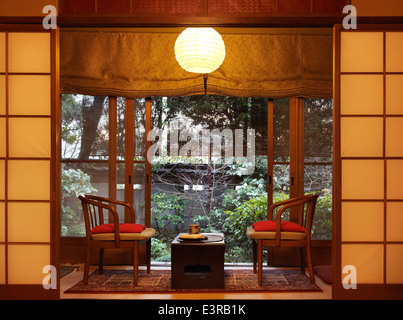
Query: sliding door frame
<point>363,290</point>
<point>36,291</point>
<point>297,135</point>
<point>296,148</point>
<point>129,163</point>
<point>296,176</point>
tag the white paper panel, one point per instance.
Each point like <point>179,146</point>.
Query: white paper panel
<point>394,179</point>
<point>29,52</point>
<point>2,264</point>
<point>361,137</point>
<point>362,221</point>
<point>362,179</point>
<point>30,137</point>
<point>29,95</point>
<point>394,49</point>
<point>2,94</point>
<point>2,179</point>
<point>367,259</point>
<point>28,222</point>
<point>361,94</point>
<point>29,180</point>
<point>26,262</point>
<point>2,222</point>
<point>394,221</point>
<point>394,94</point>
<point>2,52</point>
<point>362,52</point>
<point>3,144</point>
<point>394,137</point>
<point>394,262</point>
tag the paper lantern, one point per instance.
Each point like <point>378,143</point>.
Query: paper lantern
<point>200,50</point>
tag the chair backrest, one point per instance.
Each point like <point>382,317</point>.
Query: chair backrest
<point>304,208</point>
<point>93,209</point>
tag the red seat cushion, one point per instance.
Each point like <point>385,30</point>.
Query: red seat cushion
<point>269,225</point>
<point>123,228</point>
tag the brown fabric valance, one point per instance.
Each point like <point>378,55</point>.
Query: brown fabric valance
<point>143,64</point>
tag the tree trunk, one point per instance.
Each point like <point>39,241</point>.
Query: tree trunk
<point>91,116</point>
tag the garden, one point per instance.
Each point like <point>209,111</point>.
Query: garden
<point>218,196</point>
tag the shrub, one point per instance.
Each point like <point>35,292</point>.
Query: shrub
<point>255,209</point>
<point>74,183</point>
<point>160,250</point>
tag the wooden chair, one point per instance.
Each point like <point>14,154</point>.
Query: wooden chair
<point>113,235</point>
<point>280,233</point>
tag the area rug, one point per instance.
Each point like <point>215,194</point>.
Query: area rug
<point>159,281</point>
<point>67,270</point>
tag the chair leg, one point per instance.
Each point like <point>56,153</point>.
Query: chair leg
<point>259,261</point>
<point>148,255</point>
<point>87,265</point>
<point>302,259</point>
<point>135,262</point>
<point>101,261</point>
<point>254,255</point>
<point>310,267</point>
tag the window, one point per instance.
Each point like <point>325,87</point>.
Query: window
<point>281,149</point>
<point>201,172</point>
<point>318,150</point>
<point>214,160</point>
<point>103,153</point>
<point>85,154</point>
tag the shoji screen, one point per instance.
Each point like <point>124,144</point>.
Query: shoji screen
<point>27,168</point>
<point>369,158</point>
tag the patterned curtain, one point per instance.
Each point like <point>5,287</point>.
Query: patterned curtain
<point>134,65</point>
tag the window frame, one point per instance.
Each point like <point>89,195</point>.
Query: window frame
<point>296,152</point>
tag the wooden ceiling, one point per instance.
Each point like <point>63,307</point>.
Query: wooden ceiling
<point>200,7</point>
<point>253,13</point>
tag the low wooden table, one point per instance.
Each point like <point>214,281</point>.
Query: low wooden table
<point>198,264</point>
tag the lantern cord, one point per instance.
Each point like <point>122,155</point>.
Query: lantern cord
<point>205,83</point>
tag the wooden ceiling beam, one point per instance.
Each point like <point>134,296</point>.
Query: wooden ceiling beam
<point>194,21</point>
<point>311,21</point>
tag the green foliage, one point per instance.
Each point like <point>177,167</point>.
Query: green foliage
<point>245,213</point>
<point>322,221</point>
<point>237,211</point>
<point>167,213</point>
<point>74,183</point>
<point>160,250</point>
<point>231,212</point>
<point>255,209</point>
<point>70,116</point>
<point>163,202</point>
<point>250,188</point>
<point>238,220</point>
<point>212,222</point>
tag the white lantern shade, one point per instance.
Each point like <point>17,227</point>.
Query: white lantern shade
<point>200,50</point>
